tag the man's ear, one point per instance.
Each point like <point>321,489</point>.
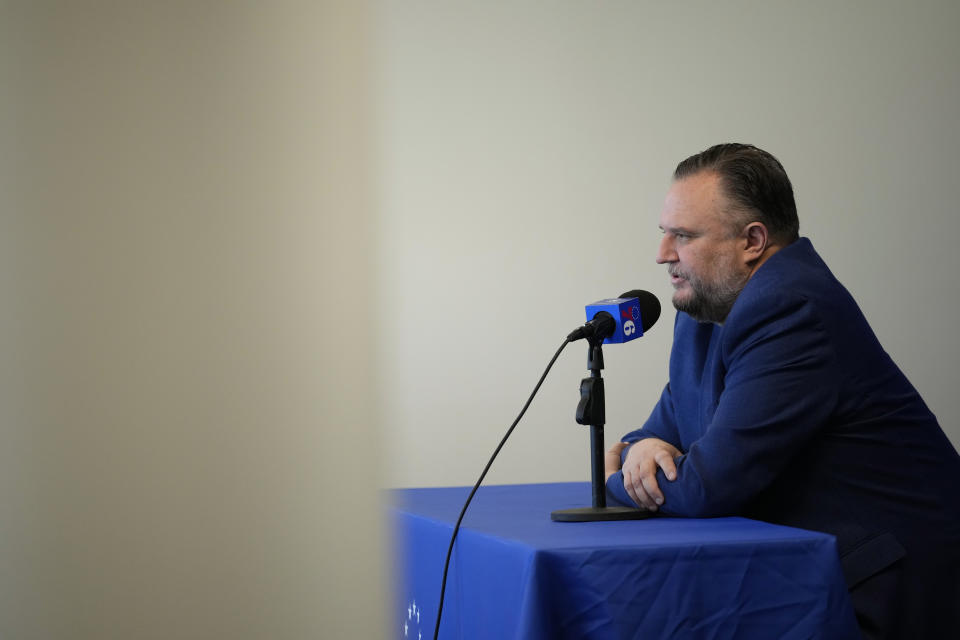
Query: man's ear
<point>757,240</point>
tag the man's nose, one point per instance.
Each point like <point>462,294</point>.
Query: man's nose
<point>666,252</point>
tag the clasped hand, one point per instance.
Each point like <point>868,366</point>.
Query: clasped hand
<point>640,469</point>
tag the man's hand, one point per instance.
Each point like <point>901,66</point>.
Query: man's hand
<point>611,460</point>
<point>640,470</point>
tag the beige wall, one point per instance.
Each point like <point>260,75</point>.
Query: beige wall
<point>187,384</point>
<point>526,150</point>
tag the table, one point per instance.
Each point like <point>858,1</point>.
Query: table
<point>516,574</point>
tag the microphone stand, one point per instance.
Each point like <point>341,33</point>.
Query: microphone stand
<point>592,411</point>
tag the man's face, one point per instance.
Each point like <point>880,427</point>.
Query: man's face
<point>701,248</point>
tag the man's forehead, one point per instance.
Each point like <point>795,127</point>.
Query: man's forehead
<point>694,201</point>
<point>702,187</point>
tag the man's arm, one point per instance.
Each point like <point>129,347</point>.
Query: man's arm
<point>638,475</point>
<point>780,388</point>
<point>640,454</point>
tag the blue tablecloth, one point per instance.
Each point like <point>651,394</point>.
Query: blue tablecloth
<point>517,574</point>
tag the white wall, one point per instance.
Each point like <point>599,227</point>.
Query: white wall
<point>525,153</point>
<point>186,222</point>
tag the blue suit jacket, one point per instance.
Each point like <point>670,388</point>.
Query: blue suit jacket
<point>791,412</point>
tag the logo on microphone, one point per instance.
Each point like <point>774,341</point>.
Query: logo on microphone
<point>630,313</point>
<point>630,316</point>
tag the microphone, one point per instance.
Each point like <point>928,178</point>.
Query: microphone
<point>621,319</point>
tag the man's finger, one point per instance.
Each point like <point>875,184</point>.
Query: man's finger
<point>665,461</point>
<point>630,487</point>
<point>639,493</point>
<point>652,488</point>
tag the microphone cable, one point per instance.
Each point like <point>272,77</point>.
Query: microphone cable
<point>456,528</point>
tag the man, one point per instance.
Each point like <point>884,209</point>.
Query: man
<point>782,406</point>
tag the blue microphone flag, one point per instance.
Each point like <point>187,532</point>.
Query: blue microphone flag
<point>626,313</point>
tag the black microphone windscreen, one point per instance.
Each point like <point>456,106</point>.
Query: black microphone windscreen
<point>649,306</point>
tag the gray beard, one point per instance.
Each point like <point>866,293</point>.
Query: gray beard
<point>710,302</point>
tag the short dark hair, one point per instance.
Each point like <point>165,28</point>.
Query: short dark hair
<point>755,181</point>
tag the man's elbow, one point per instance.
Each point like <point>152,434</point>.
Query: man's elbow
<point>699,502</point>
